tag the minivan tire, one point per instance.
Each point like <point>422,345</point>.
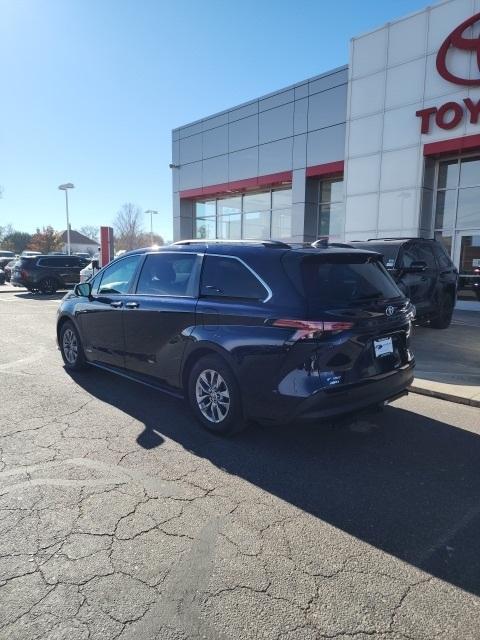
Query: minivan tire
<point>445,311</point>
<point>212,376</point>
<point>71,347</point>
<point>48,285</point>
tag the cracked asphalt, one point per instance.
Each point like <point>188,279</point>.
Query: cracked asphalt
<point>120,518</point>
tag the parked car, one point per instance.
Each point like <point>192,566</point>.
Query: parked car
<point>8,269</point>
<point>89,271</point>
<point>6,255</point>
<point>47,273</point>
<point>30,254</point>
<point>2,276</point>
<point>83,254</point>
<point>4,261</point>
<point>424,272</point>
<point>259,330</point>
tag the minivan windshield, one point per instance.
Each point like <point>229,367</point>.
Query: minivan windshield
<point>339,280</point>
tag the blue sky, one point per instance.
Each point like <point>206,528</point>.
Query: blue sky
<point>92,88</point>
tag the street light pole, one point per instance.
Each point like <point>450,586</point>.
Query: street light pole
<point>152,212</point>
<point>66,187</point>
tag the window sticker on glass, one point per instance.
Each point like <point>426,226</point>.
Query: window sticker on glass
<point>390,263</point>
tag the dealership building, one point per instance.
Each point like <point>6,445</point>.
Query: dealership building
<point>388,146</point>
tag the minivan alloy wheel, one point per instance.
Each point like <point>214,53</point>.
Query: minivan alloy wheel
<point>70,346</point>
<point>212,394</point>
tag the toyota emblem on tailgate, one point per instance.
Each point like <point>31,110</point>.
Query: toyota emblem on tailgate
<point>389,311</point>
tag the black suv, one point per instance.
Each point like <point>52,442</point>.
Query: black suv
<point>260,330</point>
<point>424,272</point>
<point>47,273</point>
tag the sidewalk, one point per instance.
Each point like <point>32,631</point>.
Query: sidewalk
<point>448,361</point>
<point>8,288</point>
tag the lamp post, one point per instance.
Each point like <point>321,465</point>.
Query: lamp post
<point>152,212</point>
<point>65,187</point>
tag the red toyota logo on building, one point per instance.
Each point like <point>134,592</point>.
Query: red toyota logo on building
<point>457,40</point>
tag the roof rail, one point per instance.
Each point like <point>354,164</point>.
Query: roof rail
<point>393,239</point>
<point>265,243</point>
<point>323,242</point>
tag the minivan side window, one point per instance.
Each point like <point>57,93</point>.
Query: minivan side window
<point>117,277</point>
<point>168,274</point>
<point>228,277</point>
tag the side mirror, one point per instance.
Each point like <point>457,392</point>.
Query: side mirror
<point>83,290</point>
<point>416,267</point>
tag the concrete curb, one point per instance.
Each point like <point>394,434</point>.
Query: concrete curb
<point>444,395</point>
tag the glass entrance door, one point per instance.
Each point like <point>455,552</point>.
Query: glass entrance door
<point>467,259</point>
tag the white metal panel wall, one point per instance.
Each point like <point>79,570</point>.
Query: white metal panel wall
<point>392,74</point>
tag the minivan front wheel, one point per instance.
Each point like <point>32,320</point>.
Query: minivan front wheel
<point>71,347</point>
<point>214,396</point>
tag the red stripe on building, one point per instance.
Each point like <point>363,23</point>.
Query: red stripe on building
<point>452,146</point>
<point>327,169</point>
<point>248,184</point>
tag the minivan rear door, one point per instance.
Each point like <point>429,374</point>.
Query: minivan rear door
<point>160,315</point>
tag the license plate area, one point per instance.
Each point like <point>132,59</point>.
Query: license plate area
<point>383,347</point>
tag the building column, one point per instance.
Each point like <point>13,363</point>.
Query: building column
<point>304,207</point>
<point>183,218</point>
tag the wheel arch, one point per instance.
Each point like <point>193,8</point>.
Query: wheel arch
<point>61,321</point>
<point>204,349</point>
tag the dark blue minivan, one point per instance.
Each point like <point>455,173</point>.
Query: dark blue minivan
<point>246,330</point>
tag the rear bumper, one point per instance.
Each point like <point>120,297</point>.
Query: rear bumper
<point>337,401</point>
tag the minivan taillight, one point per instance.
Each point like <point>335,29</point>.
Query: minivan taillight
<point>312,328</point>
<point>23,274</point>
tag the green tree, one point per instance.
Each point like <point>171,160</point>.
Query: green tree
<point>16,241</point>
<point>46,240</point>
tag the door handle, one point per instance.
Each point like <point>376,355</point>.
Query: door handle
<point>116,304</point>
<point>132,305</point>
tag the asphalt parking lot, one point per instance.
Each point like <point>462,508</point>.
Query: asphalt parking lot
<point>121,519</point>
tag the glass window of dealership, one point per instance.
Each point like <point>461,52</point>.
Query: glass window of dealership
<point>457,218</point>
<point>267,214</point>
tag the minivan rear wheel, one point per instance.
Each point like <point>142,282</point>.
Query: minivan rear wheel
<point>214,396</point>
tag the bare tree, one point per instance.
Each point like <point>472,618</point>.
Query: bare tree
<point>91,232</point>
<point>6,231</point>
<point>128,227</point>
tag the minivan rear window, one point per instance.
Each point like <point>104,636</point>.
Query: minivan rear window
<point>339,280</point>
